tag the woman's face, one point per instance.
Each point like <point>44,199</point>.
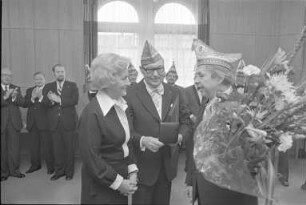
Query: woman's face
<point>118,89</point>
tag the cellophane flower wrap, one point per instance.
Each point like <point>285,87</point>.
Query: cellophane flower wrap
<point>233,144</point>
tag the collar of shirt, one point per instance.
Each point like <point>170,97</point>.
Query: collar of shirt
<point>106,102</point>
<point>41,87</point>
<point>3,86</point>
<point>160,89</point>
<point>58,83</point>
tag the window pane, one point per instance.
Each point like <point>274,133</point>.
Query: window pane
<point>177,48</point>
<point>125,44</point>
<point>174,13</point>
<point>118,11</point>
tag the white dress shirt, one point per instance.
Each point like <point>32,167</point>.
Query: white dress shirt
<point>120,105</point>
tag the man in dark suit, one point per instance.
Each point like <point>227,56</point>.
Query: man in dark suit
<point>11,124</point>
<point>61,97</point>
<point>37,125</point>
<point>149,103</point>
<point>196,104</point>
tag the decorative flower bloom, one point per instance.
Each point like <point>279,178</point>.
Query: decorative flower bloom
<point>251,70</point>
<point>255,133</point>
<point>280,58</point>
<point>285,142</point>
<point>280,82</point>
<point>259,114</point>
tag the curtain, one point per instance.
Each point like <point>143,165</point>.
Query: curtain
<point>90,30</point>
<point>203,21</point>
<point>90,34</point>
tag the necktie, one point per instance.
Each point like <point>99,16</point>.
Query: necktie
<point>156,95</point>
<point>59,89</point>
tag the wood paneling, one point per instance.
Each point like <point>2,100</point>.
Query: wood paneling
<point>267,19</point>
<point>234,43</point>
<point>265,47</point>
<point>5,14</point>
<point>47,51</point>
<point>5,48</point>
<point>71,14</point>
<point>20,13</point>
<point>292,16</point>
<point>22,56</point>
<point>46,14</point>
<point>71,43</point>
<point>232,17</point>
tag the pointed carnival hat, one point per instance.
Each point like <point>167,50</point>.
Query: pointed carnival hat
<point>207,56</point>
<point>132,70</point>
<point>172,69</point>
<point>150,58</point>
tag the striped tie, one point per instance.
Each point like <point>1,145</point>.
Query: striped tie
<point>59,89</point>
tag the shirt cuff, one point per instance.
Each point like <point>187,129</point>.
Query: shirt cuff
<point>116,184</point>
<point>132,168</point>
<point>32,100</point>
<point>142,147</point>
<point>40,99</point>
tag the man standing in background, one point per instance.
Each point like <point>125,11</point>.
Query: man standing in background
<point>11,124</point>
<point>61,97</point>
<point>132,74</point>
<point>37,125</point>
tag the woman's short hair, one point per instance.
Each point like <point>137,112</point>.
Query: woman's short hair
<point>105,70</point>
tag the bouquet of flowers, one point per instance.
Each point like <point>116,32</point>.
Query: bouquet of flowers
<point>264,112</point>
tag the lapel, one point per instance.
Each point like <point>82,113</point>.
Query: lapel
<point>166,102</point>
<point>146,100</point>
<point>196,95</point>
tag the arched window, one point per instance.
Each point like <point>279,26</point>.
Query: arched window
<point>117,29</point>
<point>174,13</point>
<point>174,29</point>
<point>118,11</point>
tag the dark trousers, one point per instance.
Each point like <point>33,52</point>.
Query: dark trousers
<point>283,164</point>
<point>41,138</point>
<point>157,194</point>
<point>63,143</point>
<point>208,193</point>
<point>10,150</point>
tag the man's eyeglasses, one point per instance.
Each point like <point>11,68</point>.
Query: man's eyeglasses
<point>160,71</point>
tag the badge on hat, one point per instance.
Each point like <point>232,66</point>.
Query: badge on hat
<point>150,58</point>
<point>207,56</point>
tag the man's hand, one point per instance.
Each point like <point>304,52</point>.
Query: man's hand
<point>152,143</point>
<point>180,139</point>
<point>39,93</point>
<point>127,187</point>
<point>14,93</point>
<point>7,94</point>
<point>53,97</point>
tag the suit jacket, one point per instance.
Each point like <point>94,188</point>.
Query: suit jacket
<point>193,101</point>
<point>66,112</point>
<point>101,138</point>
<point>37,112</point>
<point>146,122</point>
<point>10,110</point>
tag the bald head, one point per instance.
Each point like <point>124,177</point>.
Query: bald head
<point>6,76</point>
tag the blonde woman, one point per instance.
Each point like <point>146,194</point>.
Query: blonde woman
<point>109,173</point>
